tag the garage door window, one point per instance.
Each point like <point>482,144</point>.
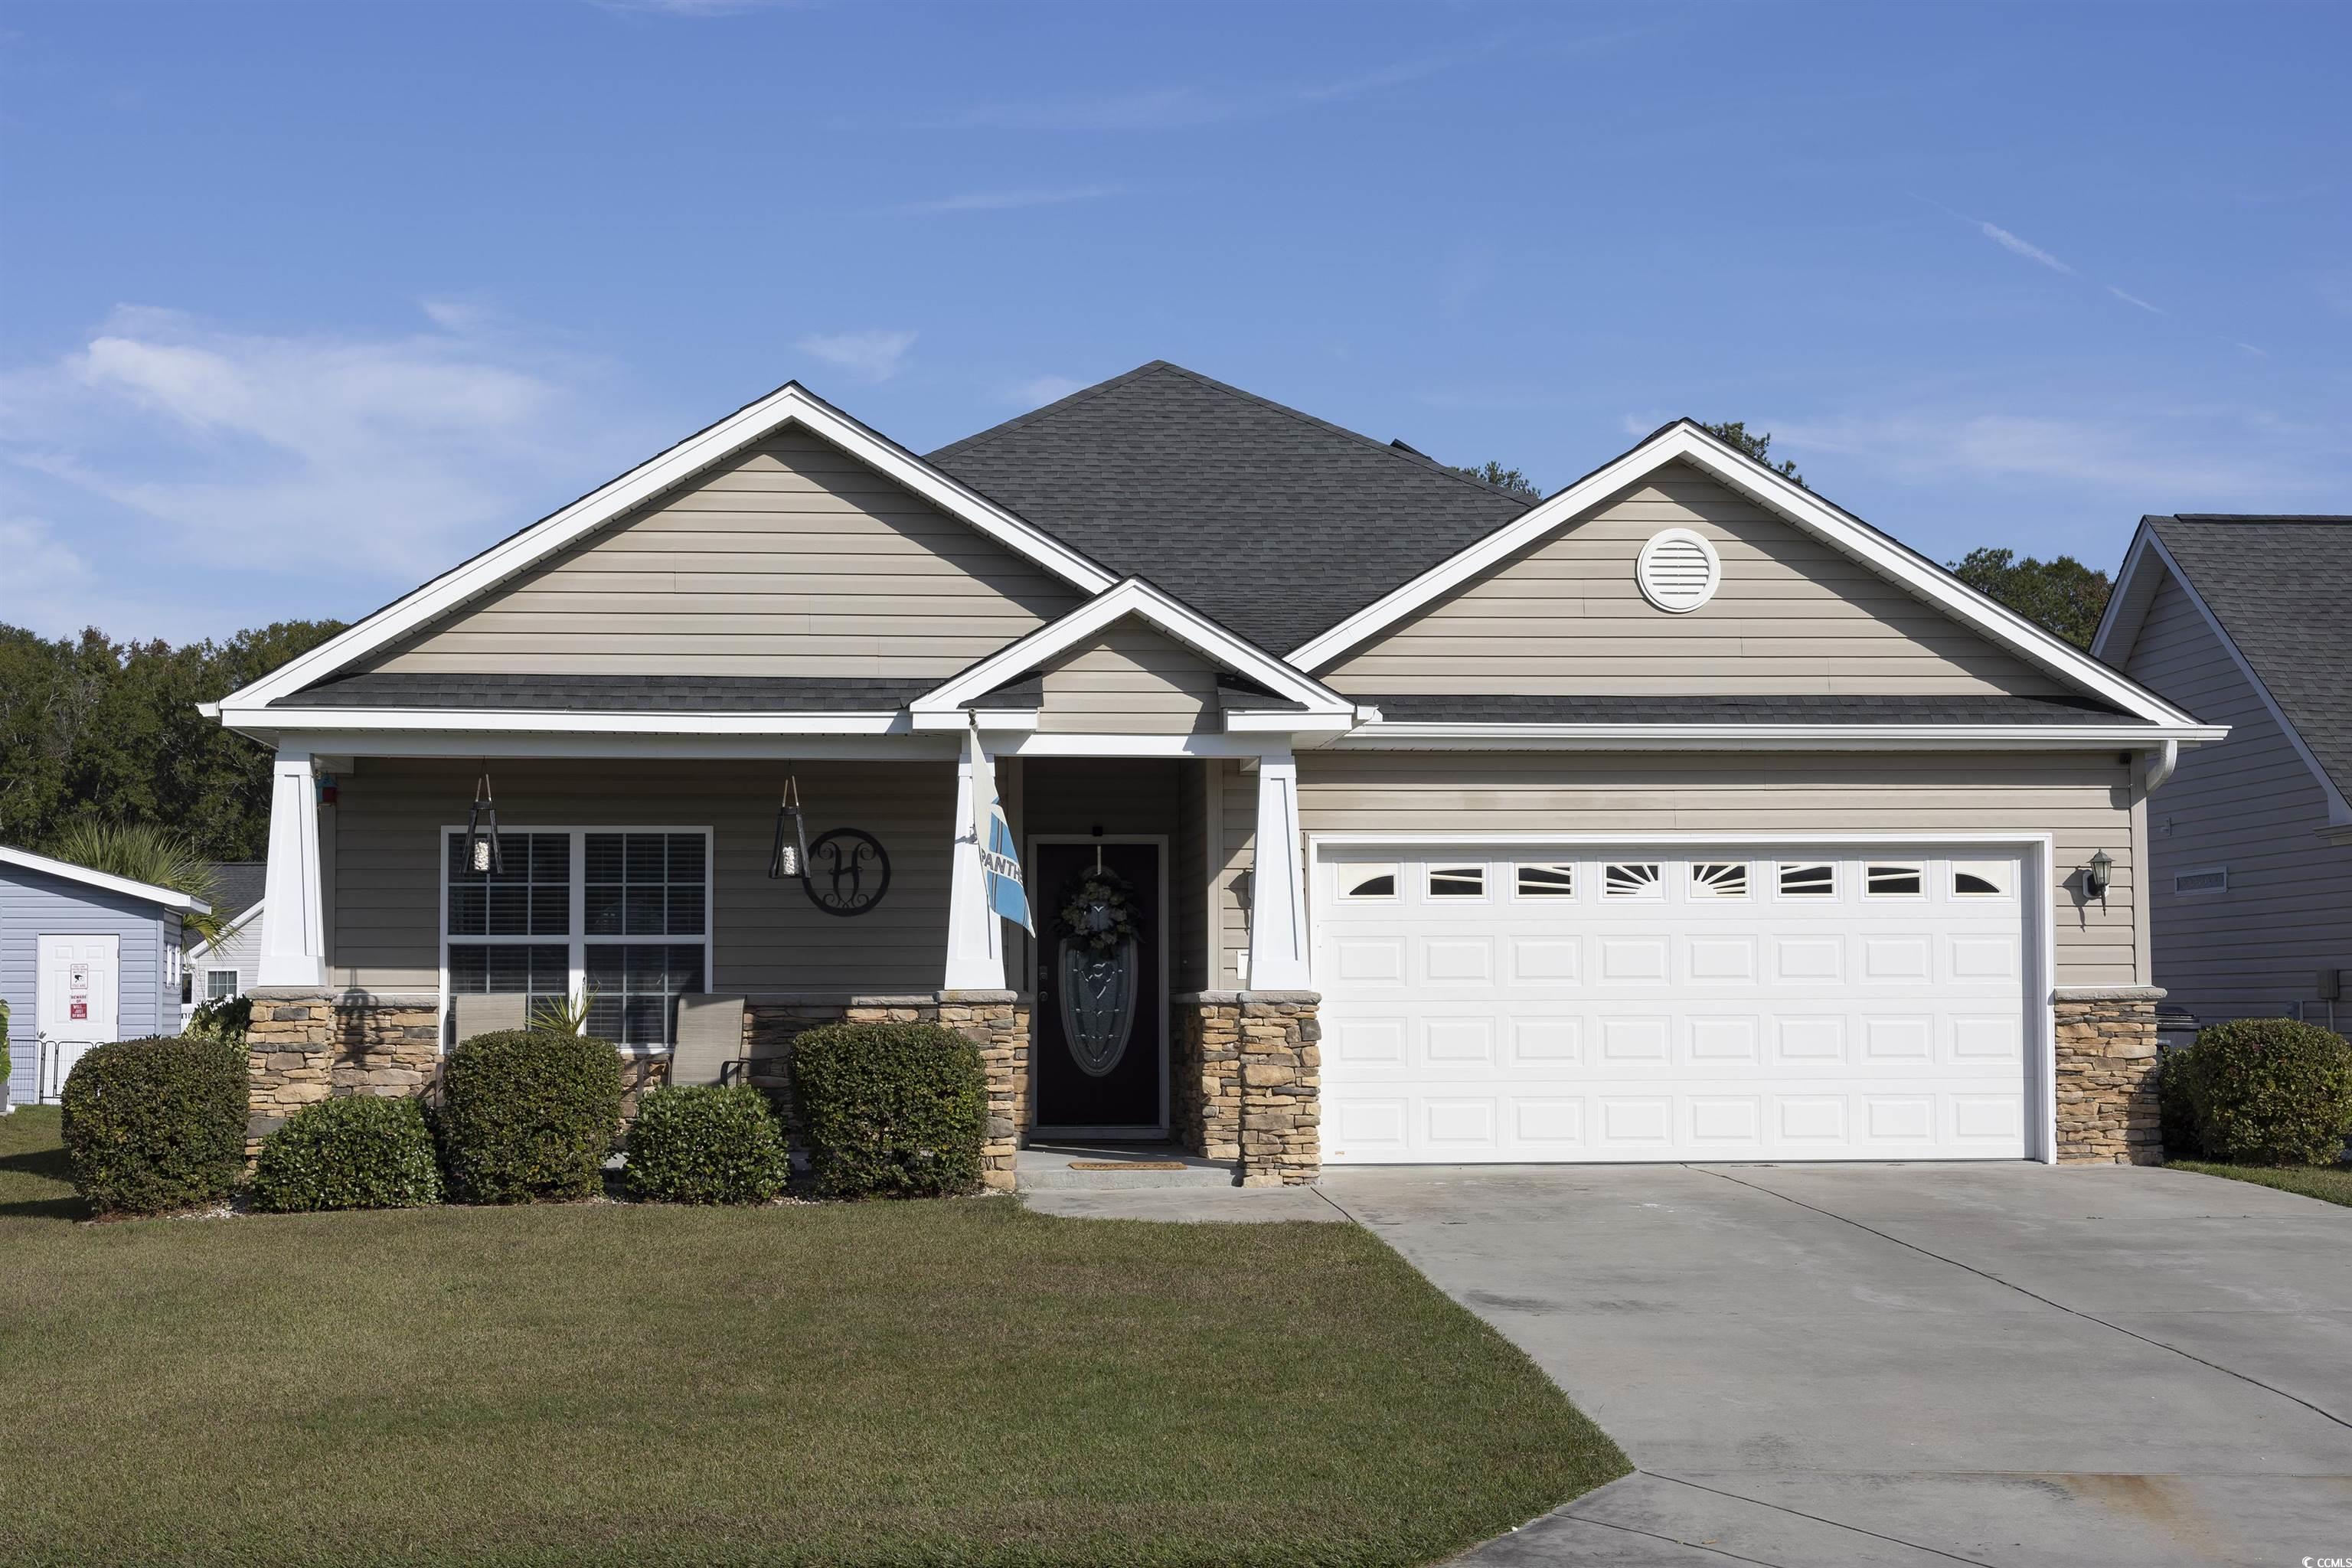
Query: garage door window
<point>1980,879</point>
<point>1808,880</point>
<point>1457,882</point>
<point>1547,881</point>
<point>1369,882</point>
<point>1633,879</point>
<point>1719,879</point>
<point>1895,882</point>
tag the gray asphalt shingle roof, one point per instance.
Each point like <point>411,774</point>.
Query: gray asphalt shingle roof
<point>614,693</point>
<point>1798,709</point>
<point>1273,522</point>
<point>2281,588</point>
<point>238,886</point>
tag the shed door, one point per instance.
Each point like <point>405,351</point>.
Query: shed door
<point>79,977</point>
<point>1494,1002</point>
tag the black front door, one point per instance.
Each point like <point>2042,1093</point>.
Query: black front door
<point>1102,1033</point>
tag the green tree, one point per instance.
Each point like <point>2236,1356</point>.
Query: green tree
<point>2062,595</point>
<point>1504,479</point>
<point>1735,432</point>
<point>99,731</point>
<point>146,853</point>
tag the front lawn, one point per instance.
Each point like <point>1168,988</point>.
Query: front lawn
<point>960,1382</point>
<point>2330,1184</point>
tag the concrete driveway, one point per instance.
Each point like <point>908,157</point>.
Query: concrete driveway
<point>2005,1364</point>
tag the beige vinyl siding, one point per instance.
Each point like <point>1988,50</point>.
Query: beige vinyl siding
<point>1238,791</point>
<point>2252,805</point>
<point>1130,680</point>
<point>1189,869</point>
<point>1792,617</point>
<point>766,936</point>
<point>2082,801</point>
<point>791,558</point>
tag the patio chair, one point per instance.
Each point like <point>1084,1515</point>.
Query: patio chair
<point>709,1040</point>
<point>490,1014</point>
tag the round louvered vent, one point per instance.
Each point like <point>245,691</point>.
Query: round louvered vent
<point>1678,571</point>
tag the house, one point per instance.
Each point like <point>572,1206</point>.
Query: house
<point>1679,814</point>
<point>2247,621</point>
<point>85,957</point>
<point>229,965</point>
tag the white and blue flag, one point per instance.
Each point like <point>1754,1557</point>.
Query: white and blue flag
<point>1000,857</point>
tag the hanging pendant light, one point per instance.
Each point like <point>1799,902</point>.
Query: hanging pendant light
<point>483,855</point>
<point>789,859</point>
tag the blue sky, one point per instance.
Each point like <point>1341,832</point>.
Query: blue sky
<point>302,303</point>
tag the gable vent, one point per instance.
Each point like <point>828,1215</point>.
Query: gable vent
<point>1678,571</point>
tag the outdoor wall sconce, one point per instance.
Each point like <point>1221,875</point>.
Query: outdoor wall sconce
<point>482,853</point>
<point>789,860</point>
<point>2098,874</point>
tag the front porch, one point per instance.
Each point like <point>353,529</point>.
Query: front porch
<point>640,880</point>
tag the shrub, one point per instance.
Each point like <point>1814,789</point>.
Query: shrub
<point>222,1018</point>
<point>2176,1105</point>
<point>155,1124</point>
<point>706,1144</point>
<point>359,1153</point>
<point>2272,1092</point>
<point>893,1110</point>
<point>526,1115</point>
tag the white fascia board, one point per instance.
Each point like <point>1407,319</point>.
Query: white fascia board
<point>1060,743</point>
<point>1133,597</point>
<point>1436,736</point>
<point>504,721</point>
<point>2128,604</point>
<point>244,918</point>
<point>1274,722</point>
<point>585,746</point>
<point>71,872</point>
<point>788,405</point>
<point>1685,442</point>
<point>2339,811</point>
<point>958,719</point>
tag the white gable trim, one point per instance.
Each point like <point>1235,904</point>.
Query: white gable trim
<point>1685,442</point>
<point>2119,633</point>
<point>171,896</point>
<point>788,405</point>
<point>204,950</point>
<point>1175,620</point>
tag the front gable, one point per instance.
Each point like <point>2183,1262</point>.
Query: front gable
<point>1565,616</point>
<point>1129,679</point>
<point>790,558</point>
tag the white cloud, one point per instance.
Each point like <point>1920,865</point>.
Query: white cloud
<point>869,357</point>
<point>167,445</point>
<point>2133,299</point>
<point>1005,201</point>
<point>2137,457</point>
<point>2009,241</point>
<point>1040,390</point>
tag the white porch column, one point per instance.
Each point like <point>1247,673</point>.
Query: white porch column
<point>975,944</point>
<point>293,923</point>
<point>1278,884</point>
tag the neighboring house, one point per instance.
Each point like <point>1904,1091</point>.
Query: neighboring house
<point>85,957</point>
<point>2247,621</point>
<point>1679,815</point>
<point>229,965</point>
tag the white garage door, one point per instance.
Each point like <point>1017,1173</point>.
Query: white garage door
<point>1506,1003</point>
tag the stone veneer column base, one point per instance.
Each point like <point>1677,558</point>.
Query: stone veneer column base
<point>304,1046</point>
<point>1246,1073</point>
<point>2106,1075</point>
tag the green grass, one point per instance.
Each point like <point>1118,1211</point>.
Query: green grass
<point>958,1383</point>
<point>2328,1184</point>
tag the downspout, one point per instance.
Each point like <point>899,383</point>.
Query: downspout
<point>2161,765</point>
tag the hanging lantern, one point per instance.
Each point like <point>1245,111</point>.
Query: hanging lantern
<point>790,858</point>
<point>482,853</point>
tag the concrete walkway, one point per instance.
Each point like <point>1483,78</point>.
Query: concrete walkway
<point>2003,1364</point>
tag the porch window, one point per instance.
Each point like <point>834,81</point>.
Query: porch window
<point>622,913</point>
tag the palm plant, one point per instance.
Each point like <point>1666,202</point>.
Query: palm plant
<point>564,1014</point>
<point>145,852</point>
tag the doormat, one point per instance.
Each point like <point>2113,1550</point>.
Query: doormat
<point>1129,1165</point>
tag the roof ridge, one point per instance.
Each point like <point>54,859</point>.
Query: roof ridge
<point>2313,517</point>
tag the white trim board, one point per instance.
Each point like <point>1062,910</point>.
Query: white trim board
<point>1684,441</point>
<point>1326,709</point>
<point>789,405</point>
<point>1437,735</point>
<point>2038,852</point>
<point>245,916</point>
<point>71,872</point>
<point>2124,621</point>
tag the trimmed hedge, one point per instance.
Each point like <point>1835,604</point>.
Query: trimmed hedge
<point>892,1109</point>
<point>705,1144</point>
<point>528,1115</point>
<point>362,1152</point>
<point>2265,1091</point>
<point>155,1124</point>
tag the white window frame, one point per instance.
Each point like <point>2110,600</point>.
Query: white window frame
<point>235,984</point>
<point>1430,870</point>
<point>1554,895</point>
<point>1999,874</point>
<point>1364,871</point>
<point>1651,891</point>
<point>1834,893</point>
<point>576,939</point>
<point>1923,870</point>
<point>2222,887</point>
<point>1700,889</point>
